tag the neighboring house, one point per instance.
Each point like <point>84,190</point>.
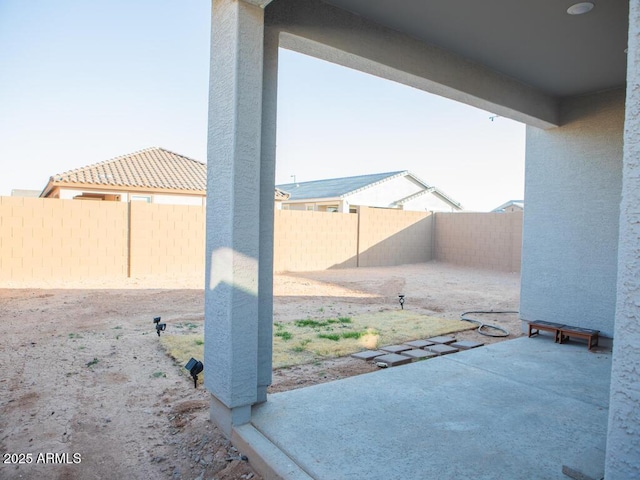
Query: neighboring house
<point>17,192</point>
<point>281,196</point>
<point>401,190</point>
<point>510,206</point>
<point>153,175</point>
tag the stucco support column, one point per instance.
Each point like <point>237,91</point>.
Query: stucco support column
<point>267,207</point>
<point>233,211</point>
<point>623,439</point>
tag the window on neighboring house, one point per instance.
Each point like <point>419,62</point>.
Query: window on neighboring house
<point>310,208</point>
<point>141,198</point>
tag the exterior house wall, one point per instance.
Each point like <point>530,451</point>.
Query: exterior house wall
<point>384,194</point>
<point>572,189</point>
<point>428,203</point>
<point>165,199</point>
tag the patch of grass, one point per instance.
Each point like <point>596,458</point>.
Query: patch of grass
<point>75,335</point>
<point>93,362</point>
<point>158,374</point>
<point>352,334</point>
<point>284,335</point>
<point>309,323</point>
<point>182,347</point>
<point>117,328</point>
<point>321,323</point>
<point>319,339</point>
<point>334,337</point>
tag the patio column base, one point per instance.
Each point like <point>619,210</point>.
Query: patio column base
<point>226,418</point>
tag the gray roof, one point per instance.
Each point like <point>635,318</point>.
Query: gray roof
<point>334,187</point>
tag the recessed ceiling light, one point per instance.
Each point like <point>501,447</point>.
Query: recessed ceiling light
<point>580,8</point>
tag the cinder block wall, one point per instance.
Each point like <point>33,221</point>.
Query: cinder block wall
<point>306,241</point>
<point>483,240</point>
<point>393,237</point>
<point>44,238</point>
<point>167,239</point>
<point>70,239</point>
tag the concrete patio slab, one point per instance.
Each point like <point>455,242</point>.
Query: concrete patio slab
<point>518,409</point>
<point>395,348</point>
<point>441,349</point>
<point>392,360</point>
<point>419,343</point>
<point>419,354</point>
<point>443,339</point>
<point>368,354</point>
<point>466,344</point>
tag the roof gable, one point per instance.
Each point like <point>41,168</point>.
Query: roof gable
<point>154,168</point>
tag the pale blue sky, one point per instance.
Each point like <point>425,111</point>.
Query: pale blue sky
<point>82,82</point>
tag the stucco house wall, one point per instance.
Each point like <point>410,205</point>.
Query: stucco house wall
<point>124,196</point>
<point>573,185</point>
<point>387,194</point>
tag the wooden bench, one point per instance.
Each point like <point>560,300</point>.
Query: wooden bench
<point>591,336</point>
<point>564,332</point>
<point>537,325</point>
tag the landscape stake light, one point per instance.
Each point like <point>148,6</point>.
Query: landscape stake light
<point>195,367</point>
<point>400,299</point>
<point>160,327</point>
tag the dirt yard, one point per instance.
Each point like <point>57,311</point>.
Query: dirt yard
<point>85,377</point>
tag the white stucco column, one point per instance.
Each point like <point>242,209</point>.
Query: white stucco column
<point>623,439</point>
<point>233,211</point>
<point>267,207</point>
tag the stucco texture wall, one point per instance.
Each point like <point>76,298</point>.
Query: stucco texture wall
<point>573,178</point>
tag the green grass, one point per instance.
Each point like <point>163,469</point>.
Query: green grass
<point>284,335</point>
<point>334,337</point>
<point>319,339</point>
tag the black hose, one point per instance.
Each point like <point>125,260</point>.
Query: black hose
<point>482,325</point>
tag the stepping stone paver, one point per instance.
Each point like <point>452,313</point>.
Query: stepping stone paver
<point>395,348</point>
<point>466,344</point>
<point>442,339</point>
<point>419,354</point>
<point>368,354</point>
<point>441,349</point>
<point>419,343</point>
<point>392,360</point>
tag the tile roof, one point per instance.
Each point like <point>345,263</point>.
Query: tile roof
<point>154,168</point>
<point>334,187</point>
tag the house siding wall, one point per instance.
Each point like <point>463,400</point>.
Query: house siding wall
<point>572,190</point>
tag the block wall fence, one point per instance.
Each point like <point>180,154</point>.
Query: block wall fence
<point>68,239</point>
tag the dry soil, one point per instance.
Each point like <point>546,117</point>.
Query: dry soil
<point>84,377</point>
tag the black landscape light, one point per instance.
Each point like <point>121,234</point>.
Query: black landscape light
<point>400,299</point>
<point>195,367</point>
<point>160,327</point>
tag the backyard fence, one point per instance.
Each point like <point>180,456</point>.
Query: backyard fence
<point>70,239</point>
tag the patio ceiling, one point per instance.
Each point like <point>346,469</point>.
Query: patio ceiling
<point>536,43</point>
